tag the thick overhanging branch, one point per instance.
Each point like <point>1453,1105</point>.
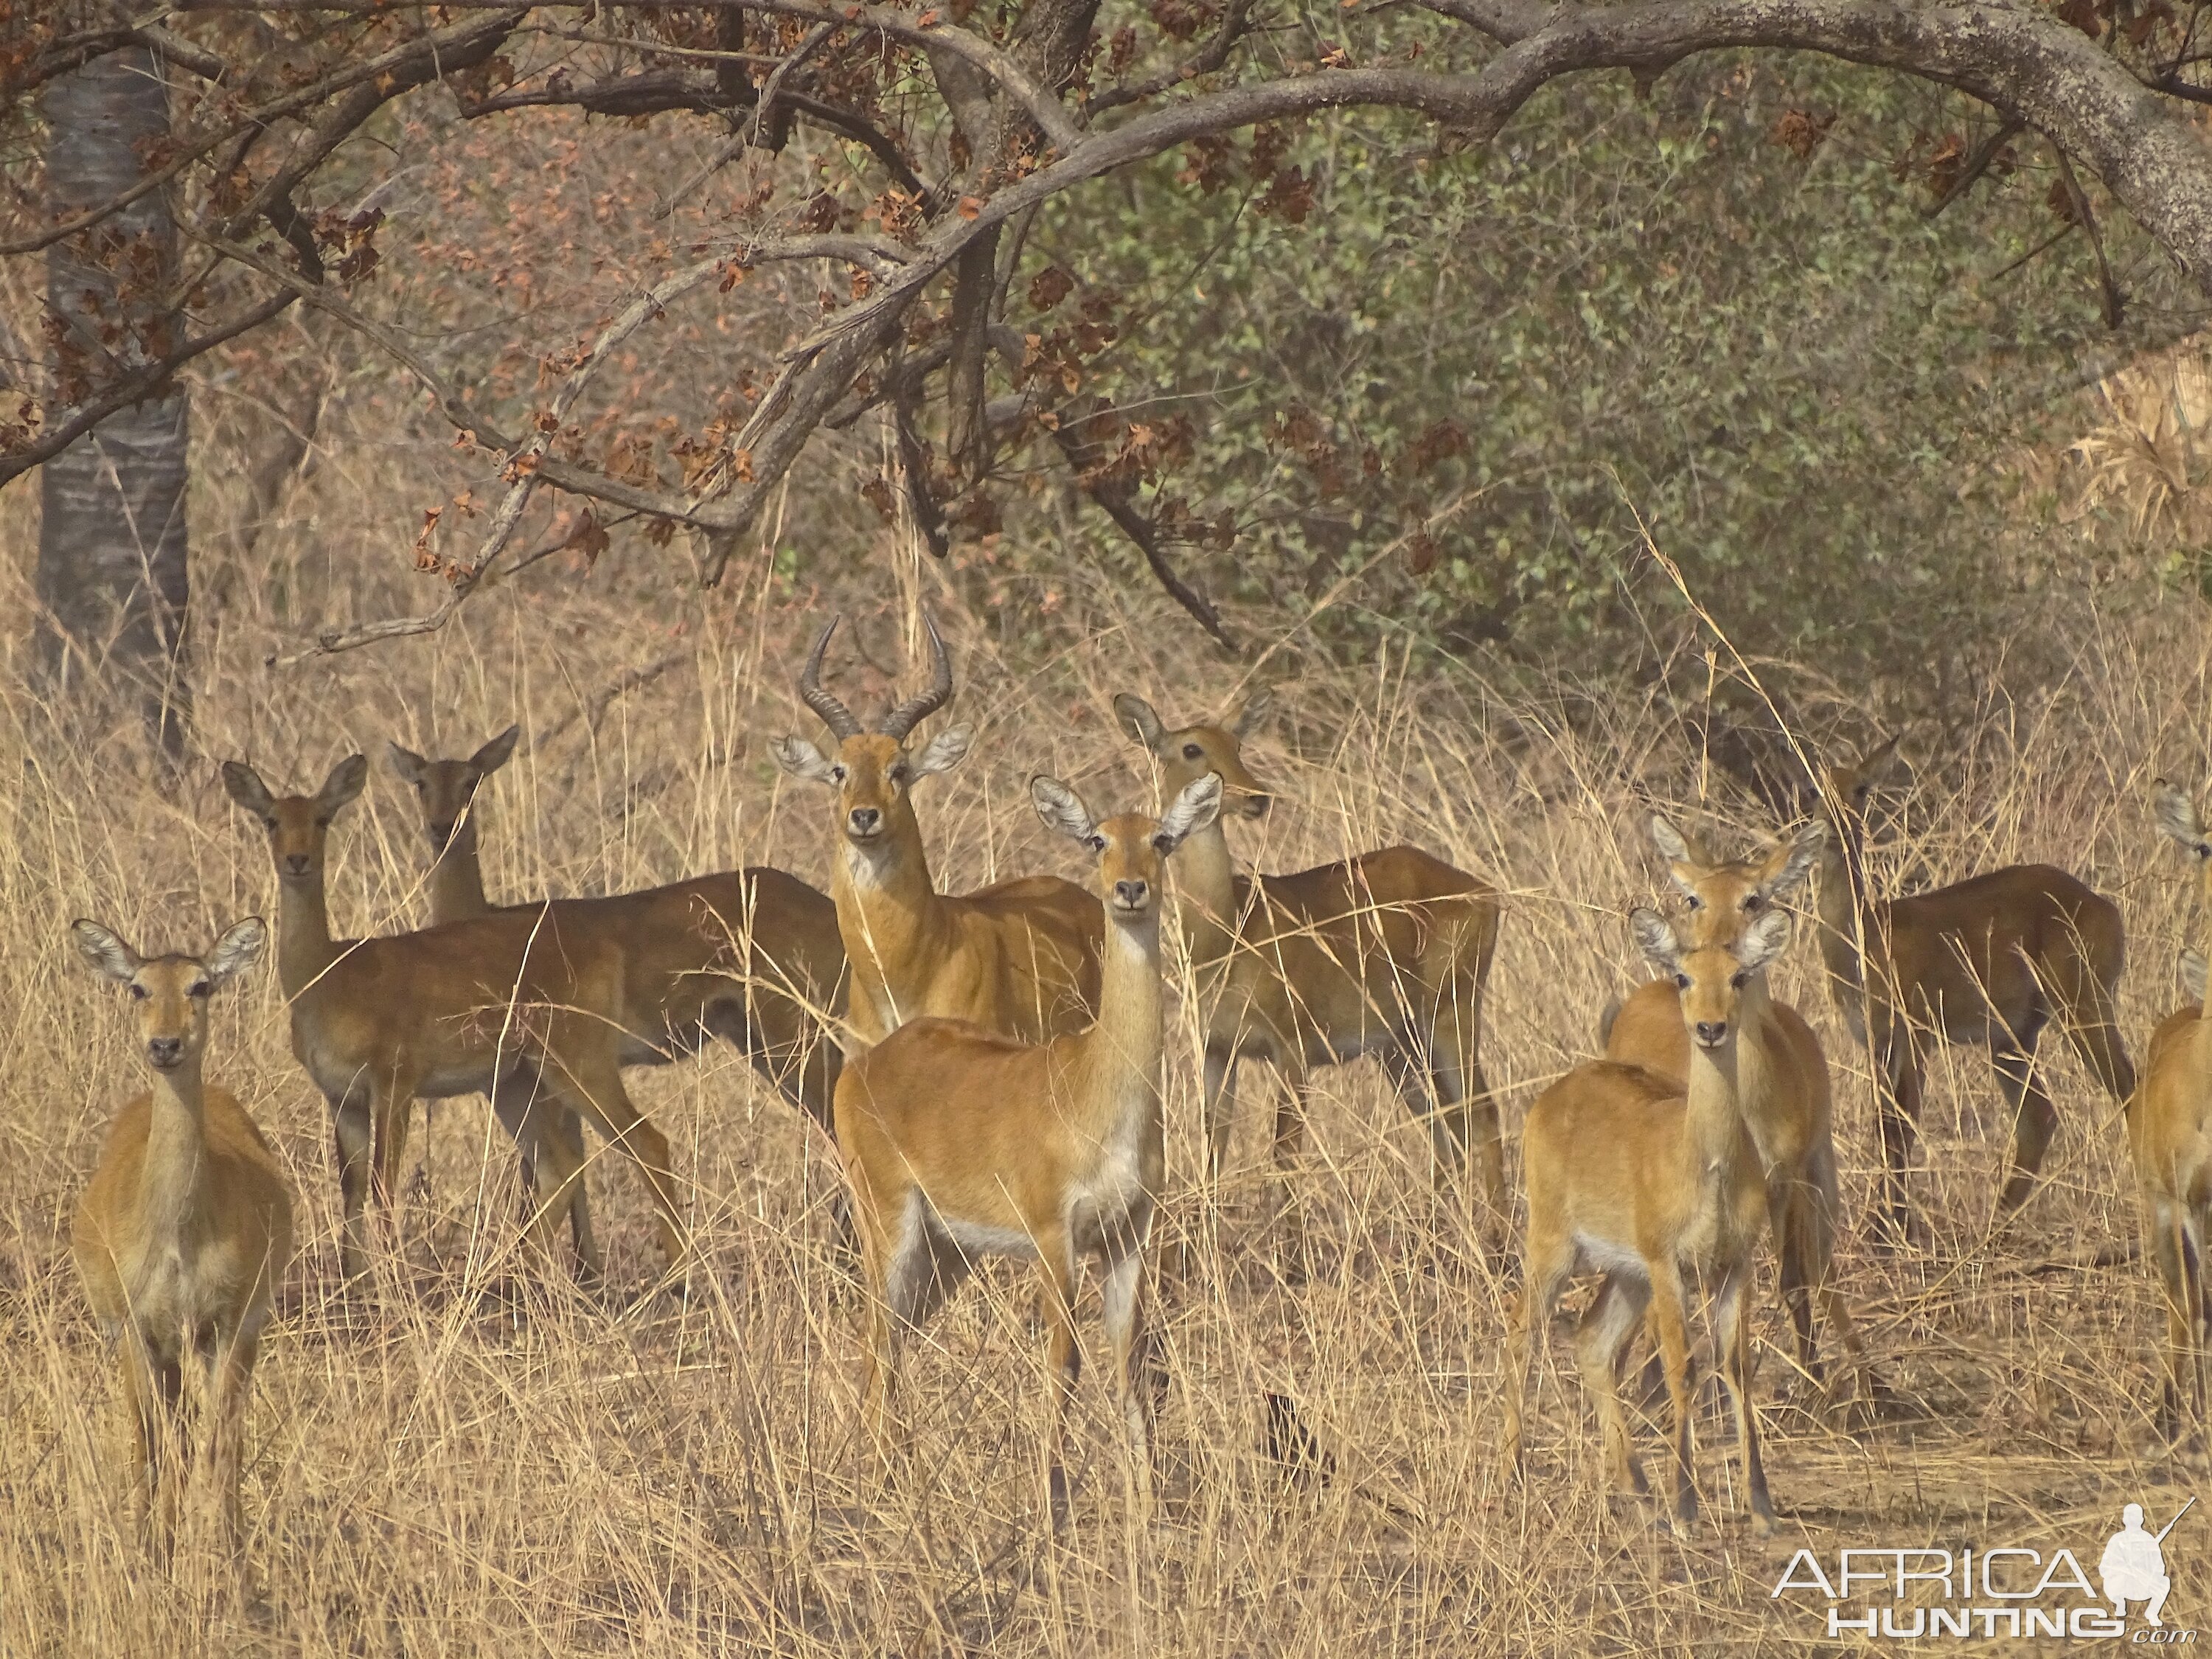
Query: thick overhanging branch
<point>2022,60</point>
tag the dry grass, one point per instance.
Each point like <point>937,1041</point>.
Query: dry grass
<point>458,1477</point>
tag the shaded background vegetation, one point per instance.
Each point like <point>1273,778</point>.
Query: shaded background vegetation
<point>1759,315</point>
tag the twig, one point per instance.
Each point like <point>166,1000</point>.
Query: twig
<point>136,389</point>
<point>625,682</point>
<point>1208,59</point>
<point>2049,242</point>
<point>749,135</point>
<point>2075,194</point>
<point>1977,164</point>
<point>654,303</point>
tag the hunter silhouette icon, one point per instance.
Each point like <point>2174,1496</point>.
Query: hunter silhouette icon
<point>2134,1566</point>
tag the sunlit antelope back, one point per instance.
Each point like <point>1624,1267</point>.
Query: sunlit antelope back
<point>2170,1136</point>
<point>185,1229</point>
<point>962,1143</point>
<point>1989,961</point>
<point>1387,953</point>
<point>1019,958</point>
<point>1650,1182</point>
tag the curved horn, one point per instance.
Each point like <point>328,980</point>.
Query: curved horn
<point>834,715</point>
<point>907,715</point>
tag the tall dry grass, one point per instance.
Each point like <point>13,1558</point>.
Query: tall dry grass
<point>461,1475</point>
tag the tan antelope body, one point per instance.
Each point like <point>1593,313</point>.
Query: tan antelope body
<point>185,1229</point>
<point>523,1006</point>
<point>750,956</point>
<point>1020,959</point>
<point>1990,960</point>
<point>961,1143</point>
<point>2170,1138</point>
<point>1385,954</point>
<point>1782,1074</point>
<point>1646,1180</point>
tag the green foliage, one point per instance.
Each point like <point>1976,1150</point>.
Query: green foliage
<point>1721,311</point>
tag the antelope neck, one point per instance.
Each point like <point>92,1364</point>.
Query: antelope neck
<point>1121,1051</point>
<point>176,1153</point>
<point>304,945</point>
<point>1716,1110</point>
<point>1841,905</point>
<point>886,910</point>
<point>1206,879</point>
<point>457,889</point>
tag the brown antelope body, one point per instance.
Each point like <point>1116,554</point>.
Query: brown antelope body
<point>1644,1180</point>
<point>750,956</point>
<point>1990,960</point>
<point>1020,957</point>
<point>961,1143</point>
<point>2170,1136</point>
<point>185,1229</point>
<point>1782,1074</point>
<point>1385,954</point>
<point>524,1007</point>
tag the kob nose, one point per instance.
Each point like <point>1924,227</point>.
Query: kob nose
<point>165,1049</point>
<point>865,820</point>
<point>1131,894</point>
<point>1711,1031</point>
<point>296,863</point>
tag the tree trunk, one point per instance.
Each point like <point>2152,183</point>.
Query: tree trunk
<point>111,545</point>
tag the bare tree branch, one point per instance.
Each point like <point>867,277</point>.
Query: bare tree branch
<point>74,51</point>
<point>750,136</point>
<point>1087,435</point>
<point>1208,59</point>
<point>2114,307</point>
<point>1977,163</point>
<point>136,388</point>
<point>434,47</point>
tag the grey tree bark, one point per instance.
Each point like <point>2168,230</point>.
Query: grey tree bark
<point>112,544</point>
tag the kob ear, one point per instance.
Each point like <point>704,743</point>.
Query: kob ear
<point>104,949</point>
<point>407,763</point>
<point>1656,938</point>
<point>803,760</point>
<point>945,750</point>
<point>1197,806</point>
<point>1138,720</point>
<point>1061,809</point>
<point>496,753</point>
<point>243,784</point>
<point>2177,816</point>
<point>1786,868</point>
<point>1251,713</point>
<point>1674,846</point>
<point>2192,974</point>
<point>238,948</point>
<point>347,780</point>
<point>1766,937</point>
